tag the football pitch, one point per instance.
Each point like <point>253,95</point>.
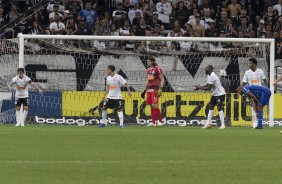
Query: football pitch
<point>41,154</point>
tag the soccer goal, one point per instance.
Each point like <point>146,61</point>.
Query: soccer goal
<point>71,70</point>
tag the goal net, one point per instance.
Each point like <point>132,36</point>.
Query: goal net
<point>71,70</point>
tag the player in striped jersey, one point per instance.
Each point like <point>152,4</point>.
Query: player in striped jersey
<point>21,97</point>
<point>254,76</point>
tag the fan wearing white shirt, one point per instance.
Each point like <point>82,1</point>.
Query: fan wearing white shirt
<point>57,27</point>
<point>112,95</point>
<point>165,9</point>
<point>21,97</point>
<point>217,98</point>
<point>254,76</point>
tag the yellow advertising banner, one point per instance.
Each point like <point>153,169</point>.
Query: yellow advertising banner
<point>178,105</point>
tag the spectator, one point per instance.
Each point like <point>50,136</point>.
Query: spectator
<point>164,8</point>
<point>205,5</point>
<point>114,31</point>
<point>222,22</point>
<point>117,46</point>
<point>229,29</point>
<point>155,21</point>
<point>133,12</point>
<point>66,16</point>
<point>35,28</point>
<point>278,7</point>
<point>12,14</point>
<point>117,14</point>
<point>22,27</point>
<point>136,21</point>
<point>50,7</point>
<point>71,45</point>
<point>102,29</point>
<point>57,27</point>
<point>234,8</point>
<point>71,26</point>
<point>126,5</point>
<point>141,29</point>
<point>198,28</point>
<point>126,30</point>
<point>37,18</point>
<point>88,14</point>
<point>178,30</point>
<point>243,14</point>
<point>74,7</point>
<point>120,22</point>
<point>147,10</point>
<point>212,32</point>
<point>261,28</point>
<point>244,28</point>
<point>180,13</point>
<point>171,33</point>
<point>277,27</point>
<point>83,29</point>
<point>188,30</point>
<point>269,15</point>
<point>187,3</point>
<point>207,20</point>
<point>54,12</point>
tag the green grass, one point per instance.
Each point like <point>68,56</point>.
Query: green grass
<point>40,154</point>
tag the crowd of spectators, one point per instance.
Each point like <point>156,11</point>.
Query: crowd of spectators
<point>172,18</point>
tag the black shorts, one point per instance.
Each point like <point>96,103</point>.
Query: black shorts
<point>217,100</point>
<point>21,101</point>
<point>113,104</point>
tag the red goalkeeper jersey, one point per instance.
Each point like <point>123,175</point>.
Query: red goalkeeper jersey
<point>153,77</point>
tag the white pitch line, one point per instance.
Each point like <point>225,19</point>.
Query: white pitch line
<point>120,161</point>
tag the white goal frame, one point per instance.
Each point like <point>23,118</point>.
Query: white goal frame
<point>22,38</point>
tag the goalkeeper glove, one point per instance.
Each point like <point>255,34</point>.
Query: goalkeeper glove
<point>143,94</point>
<point>159,93</point>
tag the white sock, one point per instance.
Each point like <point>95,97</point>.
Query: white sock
<point>24,117</point>
<point>104,116</point>
<point>18,117</point>
<point>210,114</point>
<point>120,115</point>
<point>221,117</point>
<point>254,117</point>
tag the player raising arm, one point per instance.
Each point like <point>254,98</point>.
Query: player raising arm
<point>21,97</point>
<point>217,98</point>
<point>155,83</point>
<point>254,76</point>
<point>112,95</point>
<point>259,96</point>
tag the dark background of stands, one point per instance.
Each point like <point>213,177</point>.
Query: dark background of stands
<point>263,18</point>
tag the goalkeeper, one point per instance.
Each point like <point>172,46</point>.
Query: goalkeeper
<point>154,85</point>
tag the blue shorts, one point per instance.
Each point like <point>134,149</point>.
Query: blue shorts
<point>264,98</point>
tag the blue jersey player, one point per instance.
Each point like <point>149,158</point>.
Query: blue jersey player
<point>259,96</point>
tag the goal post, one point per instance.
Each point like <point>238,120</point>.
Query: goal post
<point>79,74</point>
<point>132,39</point>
